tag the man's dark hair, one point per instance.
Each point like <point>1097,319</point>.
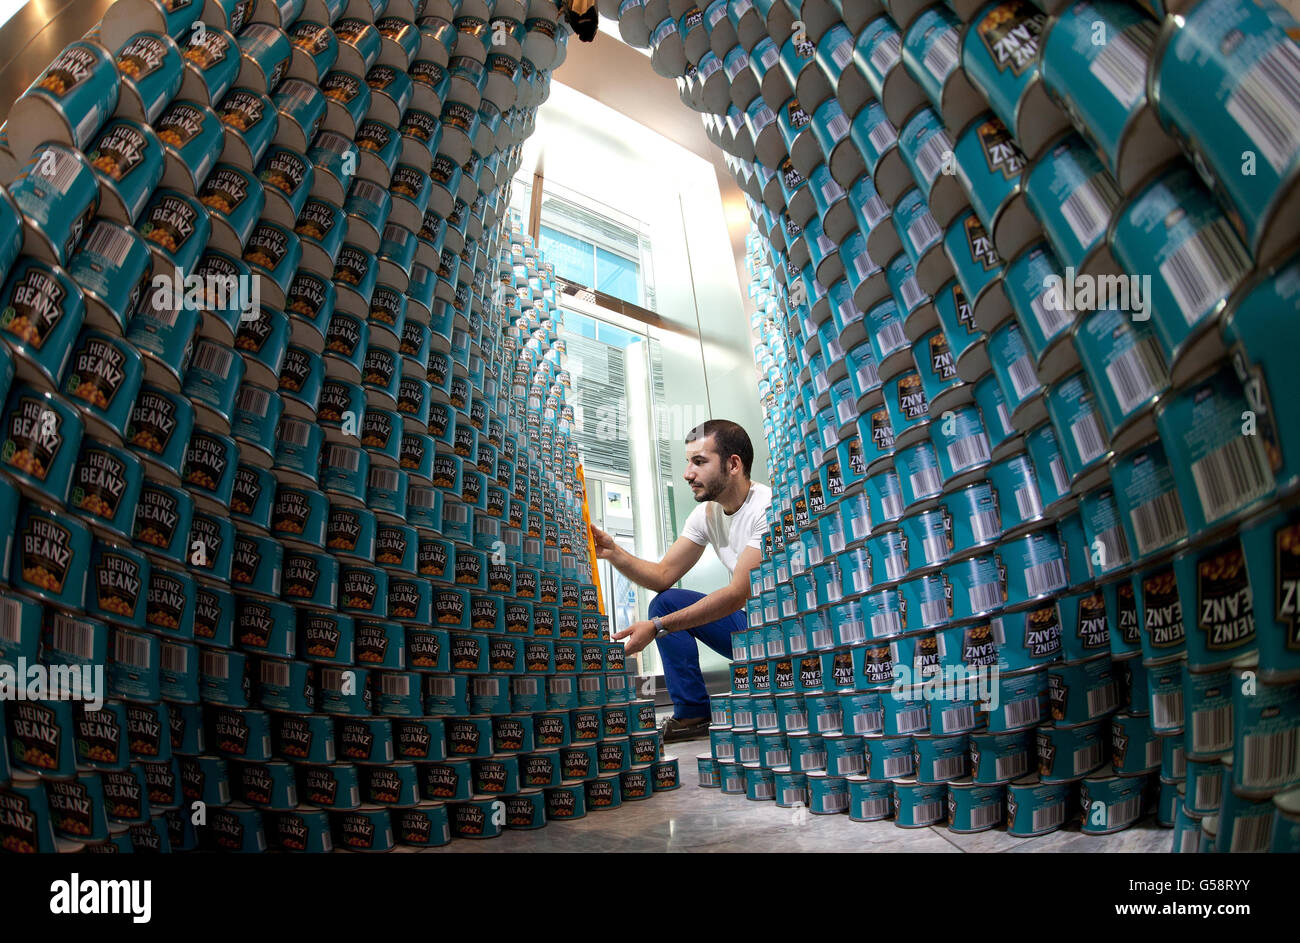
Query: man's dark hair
<point>730,439</point>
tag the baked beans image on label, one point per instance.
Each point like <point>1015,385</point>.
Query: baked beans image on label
<point>106,487</point>
<point>68,102</point>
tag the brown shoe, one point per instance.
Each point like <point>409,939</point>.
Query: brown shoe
<point>686,728</point>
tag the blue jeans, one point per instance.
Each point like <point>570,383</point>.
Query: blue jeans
<point>681,657</point>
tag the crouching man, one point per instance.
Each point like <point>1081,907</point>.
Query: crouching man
<point>732,518</point>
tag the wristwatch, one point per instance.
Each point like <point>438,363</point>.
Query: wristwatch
<point>660,631</point>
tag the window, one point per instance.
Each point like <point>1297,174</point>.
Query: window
<point>590,265</point>
<point>573,258</point>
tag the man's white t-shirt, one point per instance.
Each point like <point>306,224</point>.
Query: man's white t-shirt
<point>730,534</point>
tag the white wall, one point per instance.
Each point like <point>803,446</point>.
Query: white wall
<point>584,145</point>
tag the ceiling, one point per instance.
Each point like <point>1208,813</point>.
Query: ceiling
<point>621,77</point>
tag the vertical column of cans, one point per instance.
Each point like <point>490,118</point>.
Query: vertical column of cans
<point>994,518</point>
<point>234,483</point>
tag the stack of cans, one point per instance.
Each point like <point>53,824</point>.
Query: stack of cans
<point>1029,557</point>
<point>299,554</point>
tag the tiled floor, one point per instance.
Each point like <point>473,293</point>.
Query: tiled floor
<point>695,819</point>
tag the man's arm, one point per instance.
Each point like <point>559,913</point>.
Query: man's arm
<point>716,605</point>
<point>657,577</point>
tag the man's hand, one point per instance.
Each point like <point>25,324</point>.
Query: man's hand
<point>606,549</point>
<point>638,635</point>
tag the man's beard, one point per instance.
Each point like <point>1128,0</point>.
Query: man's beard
<point>709,492</point>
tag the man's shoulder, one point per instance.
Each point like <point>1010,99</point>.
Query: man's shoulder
<point>762,496</point>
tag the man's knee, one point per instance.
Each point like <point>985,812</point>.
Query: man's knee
<point>670,600</point>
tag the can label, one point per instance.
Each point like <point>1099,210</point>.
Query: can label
<point>47,551</point>
<point>999,149</point>
<point>247,491</point>
<point>72,67</point>
<point>36,306</point>
<point>466,652</point>
<point>179,125</point>
<point>1127,615</point>
<point>170,223</point>
<point>118,151</point>
<point>208,613</point>
<point>166,601</point>
<point>141,57</point>
<point>284,170</point>
<point>34,439</point>
<point>978,648</point>
<point>1010,34</point>
<point>266,248</point>
<point>99,372</point>
<point>153,421</point>
<point>118,582</point>
<point>1163,620</point>
<point>301,576</point>
<point>316,221</point>
<point>360,589</point>
<point>207,460</point>
<point>1091,628</point>
<point>37,735</point>
<point>1225,612</point>
<point>450,610</point>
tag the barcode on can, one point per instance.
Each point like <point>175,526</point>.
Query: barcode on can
<point>928,813</point>
<point>1266,104</point>
<point>252,399</point>
<point>1167,710</point>
<point>930,158</point>
<point>1204,268</point>
<point>1022,713</point>
<point>275,673</point>
<point>1232,476</point>
<point>214,665</point>
<point>968,451</point>
<point>910,721</point>
<point>1088,440</point>
<point>11,621</point>
<point>294,432</point>
<point>73,637</point>
<point>1088,207</point>
<point>1251,834</point>
<point>1045,577</point>
<point>1137,373</point>
<point>1123,813</point>
<point>957,719</point>
<point>1011,767</point>
<point>887,53</point>
<point>1102,700</point>
<point>1048,816</point>
<point>985,596</point>
<point>343,458</point>
<point>1121,65</point>
<point>1158,522</point>
<point>1271,759</point>
<point>109,242</point>
<point>949,767</point>
<point>923,230</point>
<point>941,58</point>
<point>129,650</point>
